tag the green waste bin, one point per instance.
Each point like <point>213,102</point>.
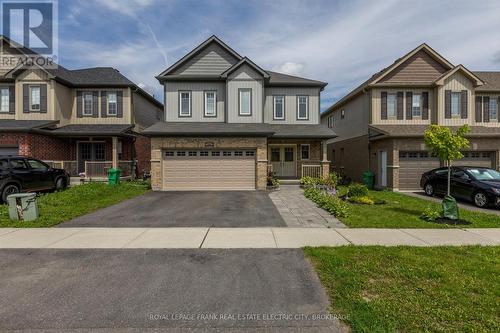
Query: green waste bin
<point>369,179</point>
<point>450,208</point>
<point>23,207</point>
<point>114,176</point>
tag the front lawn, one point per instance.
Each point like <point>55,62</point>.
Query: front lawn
<point>411,289</point>
<point>402,211</point>
<point>63,206</point>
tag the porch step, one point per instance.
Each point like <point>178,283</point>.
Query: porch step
<point>289,181</point>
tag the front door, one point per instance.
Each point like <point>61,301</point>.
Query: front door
<point>283,161</point>
<point>383,168</point>
<point>90,151</point>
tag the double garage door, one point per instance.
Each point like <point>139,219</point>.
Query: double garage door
<point>412,164</point>
<point>194,169</point>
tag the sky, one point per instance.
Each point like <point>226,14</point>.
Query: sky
<point>339,42</point>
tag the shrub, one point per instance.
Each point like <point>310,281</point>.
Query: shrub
<point>357,190</point>
<point>430,214</point>
<point>308,181</point>
<point>330,203</point>
<point>362,200</point>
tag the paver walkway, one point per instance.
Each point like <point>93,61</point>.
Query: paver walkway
<point>298,211</point>
<point>233,238</point>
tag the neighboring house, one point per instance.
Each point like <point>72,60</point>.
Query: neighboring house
<point>84,120</point>
<point>229,122</point>
<point>381,123</point>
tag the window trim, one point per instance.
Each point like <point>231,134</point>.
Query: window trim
<point>91,104</point>
<point>189,92</point>
<point>205,114</point>
<point>394,116</point>
<point>331,121</point>
<point>39,86</point>
<point>455,93</point>
<point>342,113</point>
<point>298,107</point>
<point>493,101</point>
<point>8,99</point>
<point>308,152</point>
<point>240,90</point>
<point>108,103</point>
<point>274,107</point>
<point>413,115</point>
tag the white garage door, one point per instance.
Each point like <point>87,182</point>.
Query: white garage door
<point>9,150</point>
<point>208,170</point>
<point>412,164</point>
<point>476,159</point>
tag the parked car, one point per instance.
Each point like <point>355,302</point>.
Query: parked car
<point>24,174</point>
<point>479,185</point>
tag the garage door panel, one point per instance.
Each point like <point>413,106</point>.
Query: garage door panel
<point>411,167</point>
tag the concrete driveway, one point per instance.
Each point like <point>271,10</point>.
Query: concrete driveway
<point>187,209</point>
<point>142,290</point>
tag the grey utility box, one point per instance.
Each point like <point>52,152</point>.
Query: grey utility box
<point>23,207</point>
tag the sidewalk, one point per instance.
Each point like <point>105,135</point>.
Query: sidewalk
<point>232,238</point>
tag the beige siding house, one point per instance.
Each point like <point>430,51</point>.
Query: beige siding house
<point>229,124</point>
<point>381,123</point>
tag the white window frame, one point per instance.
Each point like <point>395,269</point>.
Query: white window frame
<point>342,114</point>
<point>31,89</point>
<point>2,110</point>
<point>275,99</point>
<point>493,102</point>
<point>88,93</point>
<point>206,113</point>
<point>395,105</point>
<point>455,93</point>
<point>307,107</point>
<point>189,103</point>
<point>111,103</point>
<point>416,111</point>
<point>308,152</point>
<point>249,91</point>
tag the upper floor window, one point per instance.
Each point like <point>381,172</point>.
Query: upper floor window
<point>302,107</point>
<point>88,103</point>
<point>210,103</point>
<point>331,121</point>
<point>34,98</point>
<point>245,102</point>
<point>112,104</point>
<point>455,104</point>
<point>416,107</point>
<point>342,114</point>
<point>391,105</point>
<point>493,109</point>
<point>4,99</point>
<point>279,107</point>
<point>185,104</point>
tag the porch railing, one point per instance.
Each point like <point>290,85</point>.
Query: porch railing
<point>70,166</point>
<point>98,169</point>
<point>311,171</point>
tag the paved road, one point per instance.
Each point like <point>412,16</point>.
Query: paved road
<point>187,209</point>
<point>144,289</point>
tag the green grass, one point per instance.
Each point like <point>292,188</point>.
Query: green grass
<point>402,211</point>
<point>62,206</point>
<point>403,289</point>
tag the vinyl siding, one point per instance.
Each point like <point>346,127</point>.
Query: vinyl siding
<point>197,100</point>
<point>35,76</point>
<point>233,101</point>
<point>63,103</point>
<point>212,60</point>
<point>245,72</point>
<point>291,105</point>
<point>376,107</point>
<point>144,112</point>
<point>456,83</point>
<point>9,58</point>
<point>421,67</point>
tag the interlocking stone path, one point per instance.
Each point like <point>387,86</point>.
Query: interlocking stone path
<point>298,211</point>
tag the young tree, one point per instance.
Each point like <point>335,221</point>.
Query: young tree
<point>442,142</point>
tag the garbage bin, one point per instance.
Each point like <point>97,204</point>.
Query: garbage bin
<point>369,179</point>
<point>23,207</point>
<point>114,176</point>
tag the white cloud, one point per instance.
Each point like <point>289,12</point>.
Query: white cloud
<point>291,68</point>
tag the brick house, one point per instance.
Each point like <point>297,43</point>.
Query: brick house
<point>381,123</point>
<point>228,123</point>
<point>84,120</point>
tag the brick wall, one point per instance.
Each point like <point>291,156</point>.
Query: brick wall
<point>40,146</point>
<point>142,148</point>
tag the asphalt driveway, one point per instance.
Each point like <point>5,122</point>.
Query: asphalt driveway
<point>142,290</point>
<point>187,209</point>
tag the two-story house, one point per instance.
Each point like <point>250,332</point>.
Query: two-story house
<point>84,120</point>
<point>228,123</point>
<point>381,123</point>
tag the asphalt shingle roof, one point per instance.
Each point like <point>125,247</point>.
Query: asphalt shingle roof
<point>491,81</point>
<point>83,129</point>
<point>418,130</point>
<point>24,125</point>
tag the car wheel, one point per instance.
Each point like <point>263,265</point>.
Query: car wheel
<point>60,184</point>
<point>480,199</point>
<point>8,190</point>
<point>429,189</point>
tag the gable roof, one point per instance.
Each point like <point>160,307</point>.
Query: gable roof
<point>195,51</point>
<point>245,61</point>
<point>460,68</point>
<point>491,81</point>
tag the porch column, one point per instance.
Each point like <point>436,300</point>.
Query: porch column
<point>115,152</point>
<point>325,163</point>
